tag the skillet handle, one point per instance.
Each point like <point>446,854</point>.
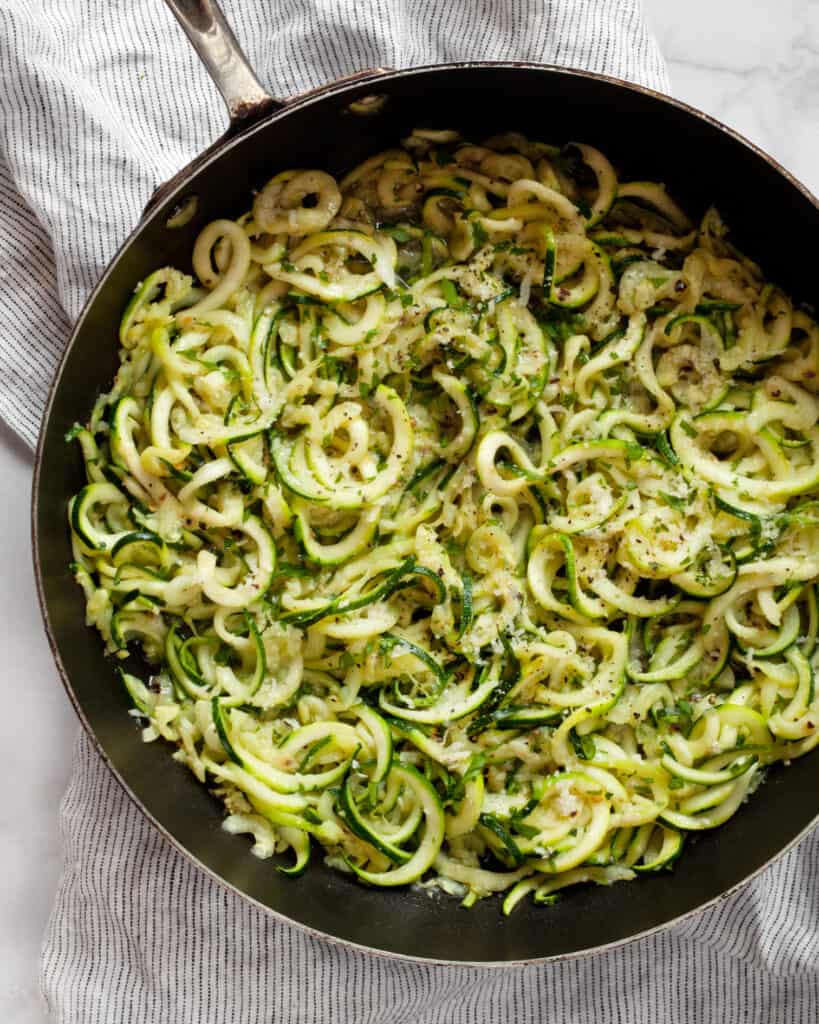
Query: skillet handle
<point>246,98</point>
<point>204,24</point>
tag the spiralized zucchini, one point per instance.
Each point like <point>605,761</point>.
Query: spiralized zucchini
<point>461,518</point>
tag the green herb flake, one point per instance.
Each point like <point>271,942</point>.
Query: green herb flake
<point>673,501</point>
<point>479,234</point>
<point>584,746</point>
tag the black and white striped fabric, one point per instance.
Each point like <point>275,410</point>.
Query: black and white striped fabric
<point>99,103</point>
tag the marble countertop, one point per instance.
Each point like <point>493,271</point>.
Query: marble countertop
<point>754,64</point>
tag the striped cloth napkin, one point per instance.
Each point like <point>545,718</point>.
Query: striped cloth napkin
<point>100,102</point>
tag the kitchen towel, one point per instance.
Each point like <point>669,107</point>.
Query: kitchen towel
<point>100,102</point>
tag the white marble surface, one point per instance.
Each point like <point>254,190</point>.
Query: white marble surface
<point>38,731</point>
<point>752,63</point>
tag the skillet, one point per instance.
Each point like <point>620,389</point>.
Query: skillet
<point>646,134</point>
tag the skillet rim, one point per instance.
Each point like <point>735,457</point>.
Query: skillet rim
<point>183,180</point>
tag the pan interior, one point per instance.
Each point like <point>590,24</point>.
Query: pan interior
<point>647,138</point>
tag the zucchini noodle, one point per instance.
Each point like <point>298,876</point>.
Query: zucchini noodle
<point>459,519</point>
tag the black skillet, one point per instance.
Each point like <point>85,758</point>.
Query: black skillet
<point>649,136</point>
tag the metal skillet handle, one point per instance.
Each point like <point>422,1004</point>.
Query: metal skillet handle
<point>246,98</point>
<point>213,39</point>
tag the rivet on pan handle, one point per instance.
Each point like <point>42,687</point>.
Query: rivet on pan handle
<point>355,76</point>
<point>246,98</point>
